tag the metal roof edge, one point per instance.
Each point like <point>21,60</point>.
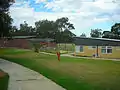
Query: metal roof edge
<point>99,38</point>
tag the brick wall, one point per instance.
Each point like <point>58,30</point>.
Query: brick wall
<point>17,43</point>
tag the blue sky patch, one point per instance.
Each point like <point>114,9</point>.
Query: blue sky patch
<point>84,20</point>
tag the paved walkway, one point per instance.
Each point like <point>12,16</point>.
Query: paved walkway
<point>22,78</point>
<point>70,55</point>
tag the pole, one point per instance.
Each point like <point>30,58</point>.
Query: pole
<point>97,51</point>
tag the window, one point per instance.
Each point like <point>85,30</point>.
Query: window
<point>77,48</point>
<point>81,48</point>
<point>91,47</point>
<point>106,49</point>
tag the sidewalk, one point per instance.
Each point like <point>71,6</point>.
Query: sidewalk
<point>70,55</point>
<point>22,78</point>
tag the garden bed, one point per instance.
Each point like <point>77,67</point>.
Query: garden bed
<point>4,78</point>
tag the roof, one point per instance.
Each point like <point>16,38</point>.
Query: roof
<point>106,39</point>
<point>96,41</point>
<point>23,37</point>
<point>41,40</point>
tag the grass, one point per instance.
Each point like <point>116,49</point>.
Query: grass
<point>70,73</point>
<point>4,78</point>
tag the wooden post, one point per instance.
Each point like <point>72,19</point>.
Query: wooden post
<point>97,51</point>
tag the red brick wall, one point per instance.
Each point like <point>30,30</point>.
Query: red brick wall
<point>50,44</point>
<point>18,43</point>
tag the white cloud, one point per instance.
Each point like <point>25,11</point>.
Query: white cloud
<point>39,1</point>
<point>82,14</point>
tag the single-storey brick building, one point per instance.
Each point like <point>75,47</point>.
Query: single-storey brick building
<point>25,42</point>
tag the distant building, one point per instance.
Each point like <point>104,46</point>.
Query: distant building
<point>97,47</point>
<point>25,42</point>
<point>46,42</point>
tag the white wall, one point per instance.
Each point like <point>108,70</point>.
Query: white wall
<point>77,48</point>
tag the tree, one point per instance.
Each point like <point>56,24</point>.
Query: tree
<point>5,19</point>
<point>115,29</point>
<point>67,37</point>
<point>25,30</point>
<point>45,29</point>
<point>5,24</point>
<point>55,29</point>
<point>83,35</point>
<point>96,33</point>
<point>13,30</point>
<point>63,24</point>
<point>107,34</point>
<point>24,27</point>
<point>64,27</point>
<point>5,4</point>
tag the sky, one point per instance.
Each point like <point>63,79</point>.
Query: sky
<point>83,14</point>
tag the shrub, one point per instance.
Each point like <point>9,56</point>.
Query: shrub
<point>4,78</point>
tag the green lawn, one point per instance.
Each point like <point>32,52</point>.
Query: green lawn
<point>70,73</point>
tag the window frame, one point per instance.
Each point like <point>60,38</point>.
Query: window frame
<point>92,47</point>
<point>106,48</point>
<point>82,48</point>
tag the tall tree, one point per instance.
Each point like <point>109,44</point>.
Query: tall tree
<point>13,30</point>
<point>24,27</point>
<point>96,33</point>
<point>107,34</point>
<point>5,19</point>
<point>45,28</point>
<point>64,27</point>
<point>64,24</point>
<point>83,35</point>
<point>5,4</point>
<point>115,29</point>
<point>5,24</point>
<point>55,29</point>
<point>25,30</point>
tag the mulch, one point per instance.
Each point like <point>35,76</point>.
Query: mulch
<point>2,74</point>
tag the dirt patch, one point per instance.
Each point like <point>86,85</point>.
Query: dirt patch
<point>2,74</point>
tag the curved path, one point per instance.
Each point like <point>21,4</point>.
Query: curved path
<point>22,78</point>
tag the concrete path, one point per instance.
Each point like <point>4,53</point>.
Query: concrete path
<point>22,78</point>
<point>70,55</point>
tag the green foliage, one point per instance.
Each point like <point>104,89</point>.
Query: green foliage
<point>64,35</point>
<point>5,4</point>
<point>83,35</point>
<point>5,24</point>
<point>115,29</point>
<point>57,30</point>
<point>5,19</point>
<point>4,81</point>
<point>114,33</point>
<point>96,33</point>
<point>25,30</point>
<point>107,34</point>
<point>45,29</point>
<point>36,47</point>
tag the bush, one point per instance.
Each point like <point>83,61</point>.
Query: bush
<point>36,47</point>
<point>4,78</point>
